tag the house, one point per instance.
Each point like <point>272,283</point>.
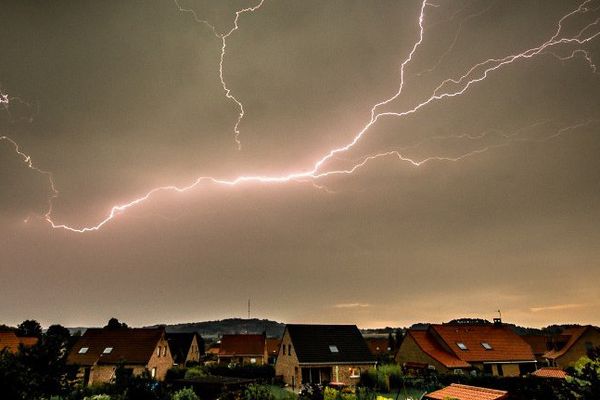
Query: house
<point>243,349</point>
<point>492,349</point>
<point>550,372</point>
<point>185,347</point>
<point>379,346</point>
<point>539,344</point>
<point>99,351</point>
<point>273,349</point>
<point>322,353</point>
<point>572,344</point>
<point>10,342</point>
<point>465,392</point>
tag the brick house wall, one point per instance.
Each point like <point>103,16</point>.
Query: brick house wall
<point>193,354</point>
<point>579,349</point>
<point>287,365</point>
<point>411,352</point>
<point>161,359</point>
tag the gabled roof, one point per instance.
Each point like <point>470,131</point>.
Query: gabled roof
<point>242,345</point>
<point>505,344</point>
<point>431,347</point>
<point>179,344</point>
<point>573,334</point>
<point>10,341</point>
<point>549,372</point>
<point>466,392</point>
<point>329,344</point>
<point>134,346</point>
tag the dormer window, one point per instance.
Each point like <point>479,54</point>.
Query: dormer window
<point>83,350</point>
<point>333,348</point>
<point>462,346</point>
<point>107,350</point>
<point>486,345</point>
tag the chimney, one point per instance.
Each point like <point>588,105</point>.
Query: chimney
<point>497,321</point>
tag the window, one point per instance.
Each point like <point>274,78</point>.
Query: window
<point>83,350</point>
<point>354,372</point>
<point>289,349</point>
<point>486,345</point>
<point>158,351</point>
<point>165,351</point>
<point>461,346</point>
<point>253,361</point>
<point>333,348</point>
<point>153,372</point>
<point>107,350</point>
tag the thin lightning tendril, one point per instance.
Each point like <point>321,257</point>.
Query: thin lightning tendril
<point>224,37</point>
<point>448,88</point>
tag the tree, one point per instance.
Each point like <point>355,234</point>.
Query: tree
<point>584,376</point>
<point>185,394</point>
<point>114,323</point>
<point>29,327</point>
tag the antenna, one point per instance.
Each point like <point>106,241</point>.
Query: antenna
<point>248,308</point>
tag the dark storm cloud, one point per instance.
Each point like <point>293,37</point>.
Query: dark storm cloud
<point>129,98</point>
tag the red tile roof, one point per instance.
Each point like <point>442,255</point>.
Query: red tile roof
<point>242,345</point>
<point>573,334</point>
<point>430,346</point>
<point>11,342</point>
<point>465,392</point>
<point>549,372</point>
<point>505,344</point>
<point>135,346</point>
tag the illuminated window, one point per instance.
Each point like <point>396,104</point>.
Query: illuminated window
<point>153,372</point>
<point>333,348</point>
<point>158,351</point>
<point>165,351</point>
<point>253,361</point>
<point>462,346</point>
<point>354,372</point>
<point>107,350</point>
<point>486,345</point>
<point>83,350</point>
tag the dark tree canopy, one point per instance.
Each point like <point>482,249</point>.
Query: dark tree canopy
<point>29,327</point>
<point>114,323</point>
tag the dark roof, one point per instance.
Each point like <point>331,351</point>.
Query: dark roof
<point>242,345</point>
<point>312,344</point>
<point>134,346</point>
<point>179,344</point>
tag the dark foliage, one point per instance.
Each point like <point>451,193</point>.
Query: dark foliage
<point>29,327</point>
<point>262,373</point>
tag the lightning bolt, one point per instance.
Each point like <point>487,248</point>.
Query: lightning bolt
<point>223,38</point>
<point>448,88</point>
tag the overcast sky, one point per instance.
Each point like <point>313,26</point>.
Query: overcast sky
<point>118,97</point>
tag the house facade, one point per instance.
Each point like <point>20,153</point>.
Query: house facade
<point>243,349</point>
<point>571,345</point>
<point>322,353</point>
<point>185,347</point>
<point>490,349</point>
<point>98,353</point>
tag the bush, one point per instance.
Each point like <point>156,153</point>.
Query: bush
<point>175,373</point>
<point>194,373</point>
<point>98,397</point>
<point>185,394</point>
<point>258,392</point>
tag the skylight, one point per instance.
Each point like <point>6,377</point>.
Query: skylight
<point>486,345</point>
<point>333,348</point>
<point>461,346</point>
<point>107,350</point>
<point>83,350</point>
